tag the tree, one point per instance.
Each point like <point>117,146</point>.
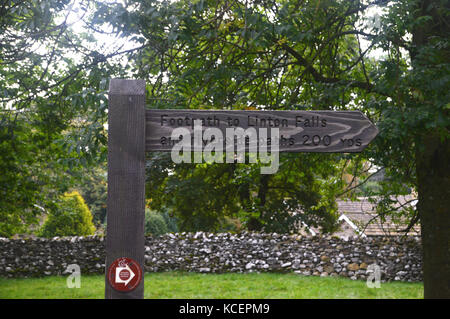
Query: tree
<point>91,183</point>
<point>52,105</point>
<point>430,55</point>
<point>272,54</point>
<point>287,54</point>
<point>71,218</point>
<point>202,195</point>
<point>18,186</point>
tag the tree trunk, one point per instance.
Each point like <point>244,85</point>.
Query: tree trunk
<point>433,169</point>
<point>433,173</point>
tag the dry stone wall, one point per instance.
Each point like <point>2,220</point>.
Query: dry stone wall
<point>398,259</point>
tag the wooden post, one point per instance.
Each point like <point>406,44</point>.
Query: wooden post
<point>128,124</point>
<point>126,179</point>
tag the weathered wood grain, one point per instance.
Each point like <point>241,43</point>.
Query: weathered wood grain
<point>311,131</point>
<point>126,178</point>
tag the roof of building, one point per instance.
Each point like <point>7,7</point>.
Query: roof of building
<point>362,213</point>
<point>359,218</point>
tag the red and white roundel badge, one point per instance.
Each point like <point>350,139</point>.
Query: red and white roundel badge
<point>124,274</point>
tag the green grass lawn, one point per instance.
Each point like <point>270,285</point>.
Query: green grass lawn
<point>215,286</point>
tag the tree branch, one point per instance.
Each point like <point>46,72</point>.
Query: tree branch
<point>318,77</point>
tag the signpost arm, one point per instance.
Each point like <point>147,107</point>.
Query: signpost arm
<point>126,179</point>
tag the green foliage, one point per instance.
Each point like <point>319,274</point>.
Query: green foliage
<point>369,189</point>
<point>159,223</point>
<point>52,107</point>
<point>290,55</point>
<point>213,54</point>
<point>230,225</point>
<point>91,182</point>
<point>217,54</point>
<point>171,222</point>
<point>71,218</point>
<point>155,224</point>
<point>18,185</point>
<point>202,195</point>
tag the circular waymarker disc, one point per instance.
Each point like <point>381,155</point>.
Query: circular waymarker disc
<point>124,274</point>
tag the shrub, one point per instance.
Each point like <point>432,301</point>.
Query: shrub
<point>230,225</point>
<point>71,218</point>
<point>154,223</point>
<point>171,222</point>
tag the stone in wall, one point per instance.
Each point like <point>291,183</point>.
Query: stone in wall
<point>398,259</point>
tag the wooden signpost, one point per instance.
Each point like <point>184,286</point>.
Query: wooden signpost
<point>300,131</point>
<point>133,130</point>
